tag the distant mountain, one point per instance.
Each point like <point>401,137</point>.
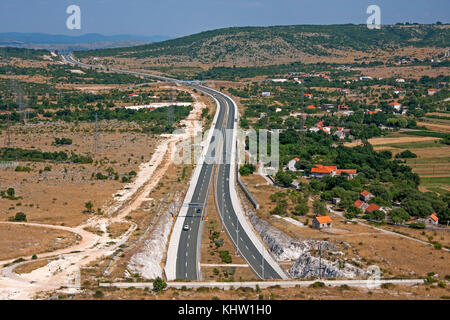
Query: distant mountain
<point>280,44</point>
<point>16,38</point>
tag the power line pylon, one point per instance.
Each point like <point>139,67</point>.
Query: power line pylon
<point>96,136</point>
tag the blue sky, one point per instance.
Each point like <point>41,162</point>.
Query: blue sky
<point>178,18</point>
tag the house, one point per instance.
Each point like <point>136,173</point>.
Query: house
<point>360,205</point>
<point>336,200</point>
<point>340,134</point>
<point>400,80</point>
<point>291,164</point>
<point>373,112</point>
<point>319,171</point>
<point>308,95</point>
<point>279,80</point>
<point>432,219</point>
<point>326,130</point>
<point>431,92</point>
<point>364,78</point>
<point>327,106</point>
<point>399,91</point>
<point>311,107</point>
<point>371,208</point>
<point>350,172</point>
<point>397,106</point>
<point>322,222</point>
<point>133,95</point>
<point>265,94</point>
<point>342,107</point>
<point>278,110</point>
<point>365,196</point>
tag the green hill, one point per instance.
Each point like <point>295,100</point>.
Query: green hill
<point>264,44</point>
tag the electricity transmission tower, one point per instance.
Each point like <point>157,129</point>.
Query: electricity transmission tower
<point>96,136</point>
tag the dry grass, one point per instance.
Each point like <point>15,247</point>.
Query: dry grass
<point>392,140</point>
<point>419,292</point>
<point>58,196</point>
<point>30,266</point>
<point>23,241</point>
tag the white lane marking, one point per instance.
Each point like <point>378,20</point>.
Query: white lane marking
<point>188,244</point>
<point>186,254</point>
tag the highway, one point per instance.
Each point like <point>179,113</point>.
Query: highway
<point>221,149</point>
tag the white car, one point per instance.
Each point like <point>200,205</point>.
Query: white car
<point>186,227</point>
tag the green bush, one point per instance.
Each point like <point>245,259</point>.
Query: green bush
<point>20,217</point>
<point>225,256</point>
<point>159,285</point>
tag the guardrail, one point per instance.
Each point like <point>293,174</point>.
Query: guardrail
<point>247,192</point>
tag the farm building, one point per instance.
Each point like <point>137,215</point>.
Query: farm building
<point>322,222</point>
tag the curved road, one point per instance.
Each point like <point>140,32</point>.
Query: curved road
<point>188,252</point>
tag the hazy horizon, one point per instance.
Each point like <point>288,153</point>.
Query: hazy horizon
<point>173,18</point>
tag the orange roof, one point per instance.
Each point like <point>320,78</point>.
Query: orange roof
<point>296,159</point>
<point>323,219</point>
<point>320,170</point>
<point>365,193</point>
<point>395,104</point>
<point>373,112</point>
<point>358,203</point>
<point>434,217</point>
<point>431,89</point>
<point>349,171</point>
<point>372,207</point>
<point>311,107</point>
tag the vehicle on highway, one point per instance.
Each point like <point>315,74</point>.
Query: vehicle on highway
<point>199,210</point>
<point>186,227</point>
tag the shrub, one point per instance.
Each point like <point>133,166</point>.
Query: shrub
<point>225,256</point>
<point>418,225</point>
<point>159,285</point>
<point>247,169</point>
<point>98,294</point>
<point>20,216</point>
<point>437,245</point>
<point>406,154</point>
<point>318,284</point>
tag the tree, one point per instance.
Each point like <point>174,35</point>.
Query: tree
<point>352,212</point>
<point>301,209</point>
<point>284,179</point>
<point>159,285</point>
<point>20,216</point>
<point>11,192</point>
<point>89,205</point>
<point>399,215</point>
<point>319,208</point>
<point>406,154</point>
<point>280,208</point>
<point>247,169</point>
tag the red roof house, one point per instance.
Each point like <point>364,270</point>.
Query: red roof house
<point>372,207</point>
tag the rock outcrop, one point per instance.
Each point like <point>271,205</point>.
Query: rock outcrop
<point>285,248</point>
<point>147,261</point>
